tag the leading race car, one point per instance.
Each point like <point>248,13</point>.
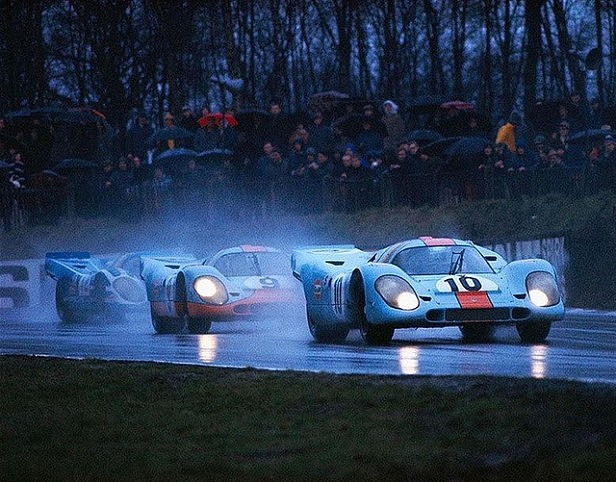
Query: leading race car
<point>88,286</point>
<point>237,282</point>
<point>425,282</point>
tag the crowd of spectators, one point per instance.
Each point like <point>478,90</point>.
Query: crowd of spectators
<point>257,163</point>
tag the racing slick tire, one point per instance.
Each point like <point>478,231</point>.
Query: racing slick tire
<point>534,332</point>
<point>326,335</point>
<point>167,325</point>
<point>65,313</point>
<point>477,332</point>
<point>198,326</point>
<point>375,335</point>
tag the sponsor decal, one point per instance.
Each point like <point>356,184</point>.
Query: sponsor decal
<point>317,288</point>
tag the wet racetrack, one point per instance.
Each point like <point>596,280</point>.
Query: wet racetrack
<point>582,347</point>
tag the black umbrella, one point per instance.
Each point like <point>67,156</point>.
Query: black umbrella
<point>466,147</point>
<point>250,119</point>
<point>544,114</point>
<point>174,159</point>
<point>167,133</point>
<point>74,164</point>
<point>591,136</point>
<point>425,104</point>
<point>79,116</point>
<point>22,113</point>
<point>215,156</point>
<point>438,147</point>
<point>423,136</point>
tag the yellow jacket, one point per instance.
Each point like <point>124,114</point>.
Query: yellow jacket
<point>506,135</point>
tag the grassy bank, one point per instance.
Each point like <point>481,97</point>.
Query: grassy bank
<point>91,420</point>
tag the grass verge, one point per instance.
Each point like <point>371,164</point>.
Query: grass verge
<point>93,420</point>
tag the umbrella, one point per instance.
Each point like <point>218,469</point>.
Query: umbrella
<point>215,156</point>
<point>437,148</point>
<point>466,147</point>
<point>167,133</point>
<point>326,101</point>
<point>544,114</point>
<point>79,116</point>
<point>4,165</point>
<point>251,118</point>
<point>217,117</point>
<point>175,156</point>
<point>424,136</point>
<point>457,104</point>
<point>22,113</point>
<point>591,136</point>
<point>74,164</point>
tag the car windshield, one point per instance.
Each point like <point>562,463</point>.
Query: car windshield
<point>441,260</point>
<point>253,264</point>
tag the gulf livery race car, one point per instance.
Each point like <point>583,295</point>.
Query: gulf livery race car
<point>425,282</point>
<point>236,282</point>
<point>88,286</point>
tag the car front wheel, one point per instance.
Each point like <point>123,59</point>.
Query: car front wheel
<point>376,335</point>
<point>199,326</point>
<point>326,335</point>
<point>167,325</point>
<point>535,332</point>
<point>477,333</point>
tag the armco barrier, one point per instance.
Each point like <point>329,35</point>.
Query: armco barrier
<point>21,283</point>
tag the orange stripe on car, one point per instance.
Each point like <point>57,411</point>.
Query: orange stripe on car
<point>473,299</point>
<point>253,249</point>
<point>430,241</point>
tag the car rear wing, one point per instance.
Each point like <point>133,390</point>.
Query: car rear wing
<point>59,264</point>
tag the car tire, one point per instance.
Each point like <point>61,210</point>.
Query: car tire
<point>198,326</point>
<point>376,335</point>
<point>477,332</point>
<point>65,313</point>
<point>326,335</point>
<point>534,332</point>
<point>167,325</point>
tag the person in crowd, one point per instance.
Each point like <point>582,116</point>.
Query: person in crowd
<point>606,164</point>
<point>141,177</point>
<point>106,143</point>
<point>188,120</point>
<point>297,158</point>
<point>595,115</point>
<point>137,137</point>
<point>160,194</point>
<point>275,176</point>
<point>507,132</point>
<point>122,185</point>
<point>368,139</point>
<point>394,126</point>
<point>208,136</point>
<point>276,127</point>
<point>320,135</point>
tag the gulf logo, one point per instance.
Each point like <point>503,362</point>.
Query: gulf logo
<point>317,289</point>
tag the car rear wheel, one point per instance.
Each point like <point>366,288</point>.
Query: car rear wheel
<point>199,326</point>
<point>63,309</point>
<point>477,333</point>
<point>535,332</point>
<point>167,325</point>
<point>326,335</point>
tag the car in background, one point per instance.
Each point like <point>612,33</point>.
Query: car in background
<point>235,283</point>
<point>88,286</point>
<point>423,283</point>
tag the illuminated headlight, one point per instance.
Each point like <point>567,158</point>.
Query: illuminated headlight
<point>397,293</point>
<point>542,289</point>
<point>129,289</point>
<point>211,290</point>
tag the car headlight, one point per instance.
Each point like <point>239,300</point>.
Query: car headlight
<point>541,288</point>
<point>397,293</point>
<point>211,290</point>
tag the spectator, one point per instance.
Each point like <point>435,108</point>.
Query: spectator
<point>208,136</point>
<point>276,127</point>
<point>122,184</point>
<point>137,137</point>
<point>595,116</point>
<point>368,139</point>
<point>160,194</point>
<point>506,133</point>
<point>320,136</point>
<point>394,126</point>
<point>297,158</point>
<point>606,165</point>
<point>188,120</point>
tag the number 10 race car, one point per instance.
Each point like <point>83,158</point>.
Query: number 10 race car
<point>425,282</point>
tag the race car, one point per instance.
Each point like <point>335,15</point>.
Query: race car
<point>422,283</point>
<point>88,286</point>
<point>235,283</point>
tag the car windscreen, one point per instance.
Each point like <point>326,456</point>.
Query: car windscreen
<point>426,260</point>
<point>253,264</point>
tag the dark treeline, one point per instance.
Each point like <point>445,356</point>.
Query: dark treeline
<point>121,56</point>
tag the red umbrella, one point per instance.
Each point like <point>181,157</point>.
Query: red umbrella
<point>217,116</point>
<point>457,104</point>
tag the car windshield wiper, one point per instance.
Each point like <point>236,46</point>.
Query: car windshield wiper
<point>457,260</point>
<point>255,262</point>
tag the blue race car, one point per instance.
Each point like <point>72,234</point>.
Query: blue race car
<point>239,282</point>
<point>423,283</point>
<point>88,286</point>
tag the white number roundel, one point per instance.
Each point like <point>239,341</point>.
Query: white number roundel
<point>455,283</point>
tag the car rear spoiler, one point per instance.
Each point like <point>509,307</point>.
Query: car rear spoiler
<point>68,255</point>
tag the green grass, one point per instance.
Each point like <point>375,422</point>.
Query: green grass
<point>91,420</point>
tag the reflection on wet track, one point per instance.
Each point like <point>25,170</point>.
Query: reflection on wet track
<point>583,347</point>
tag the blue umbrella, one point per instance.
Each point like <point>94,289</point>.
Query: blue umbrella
<point>175,158</point>
<point>466,147</point>
<point>74,164</point>
<point>424,136</point>
<point>167,133</point>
